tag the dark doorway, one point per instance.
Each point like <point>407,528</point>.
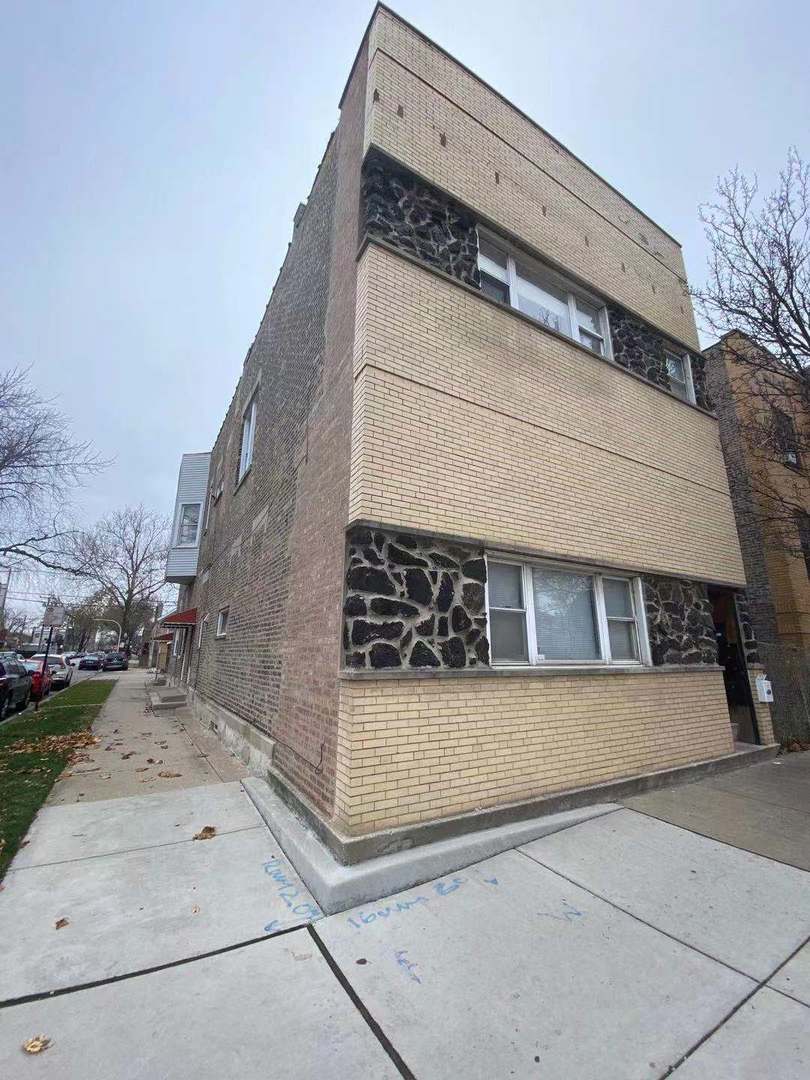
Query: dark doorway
<point>731,658</point>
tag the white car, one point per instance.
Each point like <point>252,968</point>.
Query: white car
<point>61,671</point>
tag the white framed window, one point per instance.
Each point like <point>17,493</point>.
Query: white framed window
<point>679,371</point>
<point>177,643</point>
<point>222,622</point>
<point>543,295</point>
<point>553,614</point>
<point>248,432</point>
<point>188,524</point>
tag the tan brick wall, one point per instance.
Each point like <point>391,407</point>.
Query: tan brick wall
<point>470,421</point>
<point>542,195</point>
<point>762,710</point>
<point>412,750</point>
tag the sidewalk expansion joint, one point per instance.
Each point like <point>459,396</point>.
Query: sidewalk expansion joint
<point>46,995</point>
<point>354,997</point>
<point>128,851</point>
<point>762,985</point>
<point>638,918</point>
<point>716,839</point>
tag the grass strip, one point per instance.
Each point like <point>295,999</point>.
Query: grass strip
<point>34,750</point>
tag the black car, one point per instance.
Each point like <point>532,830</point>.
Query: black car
<point>116,661</point>
<point>15,686</point>
<point>91,662</point>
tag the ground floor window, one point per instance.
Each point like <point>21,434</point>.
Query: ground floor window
<point>547,613</point>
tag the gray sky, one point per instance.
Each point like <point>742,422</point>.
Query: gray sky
<point>153,155</point>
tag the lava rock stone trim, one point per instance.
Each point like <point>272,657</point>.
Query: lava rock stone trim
<point>414,602</point>
<point>402,210</point>
<point>749,640</point>
<point>679,620</point>
<point>640,348</point>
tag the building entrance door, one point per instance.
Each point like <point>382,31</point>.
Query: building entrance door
<point>731,658</point>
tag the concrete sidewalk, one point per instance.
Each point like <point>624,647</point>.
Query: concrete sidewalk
<point>621,947</point>
<point>764,809</point>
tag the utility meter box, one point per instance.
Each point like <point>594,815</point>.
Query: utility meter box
<point>764,689</point>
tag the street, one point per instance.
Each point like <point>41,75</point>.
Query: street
<point>615,948</point>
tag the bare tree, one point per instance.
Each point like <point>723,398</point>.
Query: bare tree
<point>12,625</point>
<point>40,464</point>
<point>757,299</point>
<point>126,556</point>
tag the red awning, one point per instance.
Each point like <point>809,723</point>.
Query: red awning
<point>181,618</point>
<point>163,637</point>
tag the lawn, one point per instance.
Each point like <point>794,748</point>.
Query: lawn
<point>34,748</point>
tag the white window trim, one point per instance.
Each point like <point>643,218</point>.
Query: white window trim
<point>177,648</point>
<point>203,621</point>
<point>598,574</point>
<point>220,632</point>
<point>572,291</point>
<point>179,523</point>
<point>686,360</point>
<point>246,447</point>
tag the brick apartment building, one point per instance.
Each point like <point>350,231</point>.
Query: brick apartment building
<point>764,437</point>
<point>466,528</point>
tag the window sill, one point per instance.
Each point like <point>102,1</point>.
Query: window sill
<point>526,671</point>
<point>243,478</point>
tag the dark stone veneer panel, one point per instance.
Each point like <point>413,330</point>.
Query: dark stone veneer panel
<point>679,620</point>
<point>414,602</point>
<point>409,214</point>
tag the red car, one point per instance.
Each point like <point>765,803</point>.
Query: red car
<point>40,681</point>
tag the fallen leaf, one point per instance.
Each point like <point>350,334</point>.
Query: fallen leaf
<point>36,1044</point>
<point>169,775</point>
<point>195,910</point>
<point>60,923</point>
<point>128,754</point>
<point>143,768</point>
<point>150,761</point>
<point>207,832</point>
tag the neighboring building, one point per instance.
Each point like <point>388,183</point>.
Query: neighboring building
<point>763,435</point>
<point>468,524</point>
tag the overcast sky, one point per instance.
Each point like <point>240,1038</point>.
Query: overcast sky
<point>154,153</point>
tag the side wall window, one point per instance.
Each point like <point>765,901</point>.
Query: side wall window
<point>248,432</point>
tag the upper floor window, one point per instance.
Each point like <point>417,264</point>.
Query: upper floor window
<point>541,613</point>
<point>679,372</point>
<point>542,295</point>
<point>248,432</point>
<point>786,439</point>
<point>188,524</point>
<point>222,622</point>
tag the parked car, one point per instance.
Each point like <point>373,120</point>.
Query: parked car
<point>40,679</point>
<point>15,685</point>
<point>73,658</point>
<point>116,661</point>
<point>91,662</point>
<point>61,672</point>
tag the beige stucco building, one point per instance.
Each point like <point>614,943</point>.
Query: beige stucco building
<point>467,529</point>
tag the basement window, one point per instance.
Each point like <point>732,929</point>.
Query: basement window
<point>542,294</point>
<point>551,614</point>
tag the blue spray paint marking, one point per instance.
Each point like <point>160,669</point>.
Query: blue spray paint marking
<point>440,889</point>
<point>491,880</point>
<point>289,892</point>
<point>569,913</point>
<point>408,965</point>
